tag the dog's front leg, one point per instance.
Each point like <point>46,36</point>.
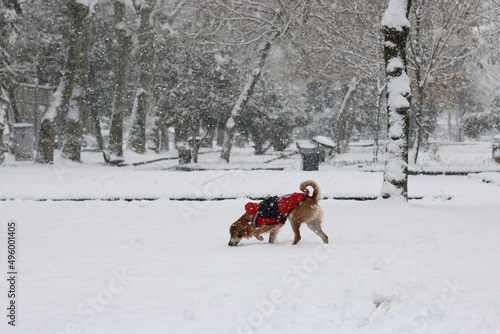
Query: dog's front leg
<point>259,237</point>
<point>272,236</point>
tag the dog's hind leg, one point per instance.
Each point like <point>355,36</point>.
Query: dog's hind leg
<point>315,226</point>
<point>296,231</point>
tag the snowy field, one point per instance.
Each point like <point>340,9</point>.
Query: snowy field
<point>163,266</point>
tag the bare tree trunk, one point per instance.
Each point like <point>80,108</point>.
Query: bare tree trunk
<point>3,114</point>
<point>46,138</point>
<point>160,128</point>
<point>9,88</point>
<point>245,96</point>
<point>61,100</point>
<point>219,140</point>
<point>159,132</point>
<point>56,114</point>
<point>381,91</point>
<point>48,125</point>
<point>395,27</point>
<point>160,135</point>
<point>124,43</point>
<point>420,84</point>
<point>448,119</point>
<point>96,122</point>
<point>340,129</point>
<point>195,147</point>
<point>143,95</point>
<point>2,153</point>
<point>419,119</point>
<point>81,42</point>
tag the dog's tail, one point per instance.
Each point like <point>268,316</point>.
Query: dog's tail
<point>310,183</point>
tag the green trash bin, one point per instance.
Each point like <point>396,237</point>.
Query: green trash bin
<point>310,158</point>
<point>184,152</point>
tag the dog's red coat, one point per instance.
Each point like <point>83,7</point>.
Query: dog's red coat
<point>285,205</point>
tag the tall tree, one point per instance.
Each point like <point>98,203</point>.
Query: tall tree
<point>346,45</point>
<point>10,67</point>
<point>101,79</point>
<point>4,100</point>
<point>395,28</point>
<point>264,21</point>
<point>81,42</point>
<point>69,99</point>
<point>340,130</point>
<point>9,11</point>
<point>123,42</point>
<point>146,57</point>
<point>168,31</point>
<point>443,38</point>
<point>245,95</point>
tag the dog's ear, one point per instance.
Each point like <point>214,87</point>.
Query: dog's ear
<point>239,233</point>
<point>236,231</point>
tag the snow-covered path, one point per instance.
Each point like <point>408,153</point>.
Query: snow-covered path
<point>80,181</point>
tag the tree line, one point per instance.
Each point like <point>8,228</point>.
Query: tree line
<point>265,70</point>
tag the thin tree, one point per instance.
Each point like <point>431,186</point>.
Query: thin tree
<point>278,18</point>
<point>340,129</point>
<point>347,43</point>
<point>124,44</point>
<point>47,135</point>
<point>9,12</point>
<point>166,32</point>
<point>81,39</point>
<point>395,28</point>
<point>443,39</point>
<point>3,115</point>
<point>146,58</point>
<point>245,95</point>
<point>68,101</point>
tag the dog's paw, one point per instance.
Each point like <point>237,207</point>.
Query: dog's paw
<point>259,237</point>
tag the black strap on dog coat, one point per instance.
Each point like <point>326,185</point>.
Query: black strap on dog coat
<point>268,208</point>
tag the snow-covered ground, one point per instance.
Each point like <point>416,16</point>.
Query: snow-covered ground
<point>163,266</point>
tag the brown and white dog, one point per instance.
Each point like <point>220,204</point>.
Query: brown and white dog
<point>307,211</point>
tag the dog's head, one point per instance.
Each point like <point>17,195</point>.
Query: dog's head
<point>236,231</point>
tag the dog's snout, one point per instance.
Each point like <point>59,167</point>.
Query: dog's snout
<point>233,242</point>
